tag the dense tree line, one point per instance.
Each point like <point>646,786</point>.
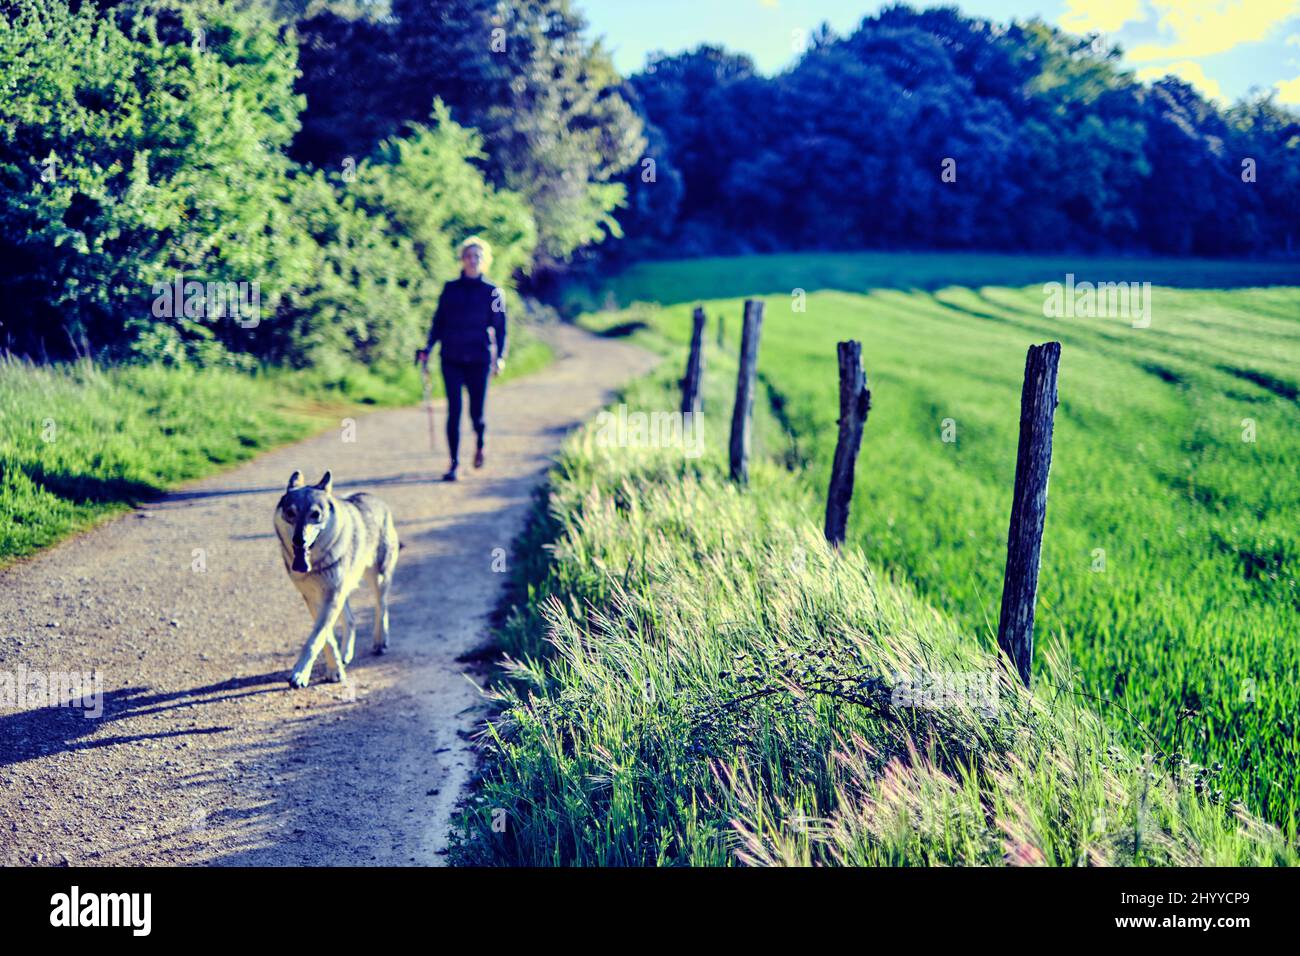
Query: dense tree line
<point>1046,143</point>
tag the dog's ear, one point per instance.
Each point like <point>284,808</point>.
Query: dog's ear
<point>295,481</point>
<point>326,483</point>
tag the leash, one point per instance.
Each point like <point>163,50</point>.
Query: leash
<point>428,404</point>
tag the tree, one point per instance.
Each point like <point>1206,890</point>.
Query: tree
<point>142,144</point>
<point>1263,168</point>
<point>386,235</point>
<point>347,66</point>
<point>144,148</point>
<point>687,98</point>
<point>547,99</point>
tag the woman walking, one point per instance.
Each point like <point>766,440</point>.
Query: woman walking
<point>470,322</point>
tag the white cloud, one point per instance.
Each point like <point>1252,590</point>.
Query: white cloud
<point>1101,16</point>
<point>1288,91</point>
<point>1205,27</point>
<point>1188,70</point>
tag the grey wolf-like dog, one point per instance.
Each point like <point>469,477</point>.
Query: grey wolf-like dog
<point>329,544</point>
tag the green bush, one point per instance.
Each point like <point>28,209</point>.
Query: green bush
<point>138,145</point>
<point>143,167</point>
<point>386,232</point>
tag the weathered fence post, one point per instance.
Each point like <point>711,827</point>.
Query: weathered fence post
<point>1028,507</point>
<point>855,403</point>
<point>722,330</point>
<point>742,415</point>
<point>694,367</point>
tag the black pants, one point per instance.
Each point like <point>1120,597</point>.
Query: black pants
<point>472,376</point>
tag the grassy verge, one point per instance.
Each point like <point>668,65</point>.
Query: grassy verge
<point>79,443</point>
<point>693,678</point>
<point>1171,553</point>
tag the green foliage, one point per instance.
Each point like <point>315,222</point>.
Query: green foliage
<point>145,147</point>
<point>387,233</point>
<point>556,127</point>
<point>1153,465</point>
<point>141,144</point>
<point>1269,136</point>
<point>557,123</point>
<point>434,197</point>
<point>717,687</point>
<point>368,289</point>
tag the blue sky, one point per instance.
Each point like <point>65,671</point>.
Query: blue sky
<point>1223,47</point>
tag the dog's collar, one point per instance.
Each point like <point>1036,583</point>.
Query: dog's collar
<point>322,568</point>
<point>315,568</point>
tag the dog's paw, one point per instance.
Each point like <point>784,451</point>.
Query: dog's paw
<point>339,676</point>
<point>298,680</point>
<point>381,648</point>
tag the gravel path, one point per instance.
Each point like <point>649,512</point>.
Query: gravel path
<point>202,754</point>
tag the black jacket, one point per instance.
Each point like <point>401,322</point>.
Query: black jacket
<point>470,313</point>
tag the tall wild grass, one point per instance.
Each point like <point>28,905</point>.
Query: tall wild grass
<point>692,677</point>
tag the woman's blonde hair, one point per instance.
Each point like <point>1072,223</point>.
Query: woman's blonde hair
<point>483,247</point>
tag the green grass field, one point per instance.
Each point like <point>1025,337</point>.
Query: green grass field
<point>79,443</point>
<point>673,283</point>
<point>1170,556</point>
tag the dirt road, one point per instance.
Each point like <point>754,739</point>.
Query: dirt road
<point>202,754</point>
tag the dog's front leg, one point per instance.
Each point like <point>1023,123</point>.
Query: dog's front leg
<point>321,633</point>
<point>349,642</point>
<point>334,664</point>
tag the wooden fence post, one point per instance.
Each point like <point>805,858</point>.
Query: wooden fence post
<point>742,415</point>
<point>694,367</point>
<point>1028,507</point>
<point>855,403</point>
<point>722,330</point>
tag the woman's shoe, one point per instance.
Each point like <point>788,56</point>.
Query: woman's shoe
<point>451,474</point>
<point>478,457</point>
